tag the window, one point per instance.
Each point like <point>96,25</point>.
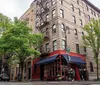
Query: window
<point>91,67</point>
<point>77,48</point>
<point>42,10</point>
<point>47,47</point>
<point>61,1</point>
<point>54,28</point>
<point>98,15</point>
<point>61,13</point>
<point>83,35</point>
<point>35,68</point>
<point>37,24</point>
<point>47,4</point>
<point>91,11</point>
<point>53,2</point>
<point>41,22</point>
<point>53,13</point>
<point>77,1</point>
<point>81,23</point>
<point>63,27</point>
<point>94,13</point>
<point>87,8</point>
<point>63,44</point>
<point>75,31</point>
<point>89,18</point>
<point>68,29</point>
<point>37,14</point>
<point>72,6</point>
<point>24,69</point>
<point>74,19</point>
<point>54,45</point>
<point>47,17</point>
<point>79,11</point>
<point>84,48</point>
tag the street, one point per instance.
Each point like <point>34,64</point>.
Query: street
<point>50,83</point>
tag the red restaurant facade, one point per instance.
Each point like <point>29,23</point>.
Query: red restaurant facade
<point>47,68</point>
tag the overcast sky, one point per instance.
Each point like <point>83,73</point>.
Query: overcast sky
<point>12,8</point>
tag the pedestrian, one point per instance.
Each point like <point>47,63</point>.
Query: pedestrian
<point>81,73</point>
<point>84,74</point>
<point>45,75</point>
<point>71,75</point>
<point>59,76</point>
<point>66,74</point>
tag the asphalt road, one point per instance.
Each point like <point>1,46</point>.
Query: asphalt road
<point>50,83</point>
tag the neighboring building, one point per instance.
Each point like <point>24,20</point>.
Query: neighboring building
<point>61,21</point>
<point>91,12</point>
<point>28,16</point>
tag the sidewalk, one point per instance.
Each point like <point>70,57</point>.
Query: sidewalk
<point>60,82</point>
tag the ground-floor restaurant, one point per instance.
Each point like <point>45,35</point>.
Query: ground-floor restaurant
<point>60,67</point>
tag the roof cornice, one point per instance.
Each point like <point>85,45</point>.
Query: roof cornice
<point>92,5</point>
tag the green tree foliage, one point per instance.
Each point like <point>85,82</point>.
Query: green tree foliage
<point>19,42</point>
<point>92,39</point>
<point>5,22</point>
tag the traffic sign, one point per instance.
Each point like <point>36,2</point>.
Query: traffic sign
<point>69,58</point>
<point>68,50</point>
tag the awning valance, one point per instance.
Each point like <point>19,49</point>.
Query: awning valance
<point>74,59</point>
<point>47,60</point>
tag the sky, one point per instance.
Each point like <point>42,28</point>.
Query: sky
<point>16,8</point>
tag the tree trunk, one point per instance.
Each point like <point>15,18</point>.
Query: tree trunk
<point>97,69</point>
<point>96,56</point>
<point>21,72</point>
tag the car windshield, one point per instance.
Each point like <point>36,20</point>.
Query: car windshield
<point>1,74</point>
<point>5,75</point>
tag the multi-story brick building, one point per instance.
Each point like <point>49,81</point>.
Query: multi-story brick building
<point>62,22</point>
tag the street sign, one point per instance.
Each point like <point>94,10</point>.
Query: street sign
<point>68,50</point>
<point>69,58</point>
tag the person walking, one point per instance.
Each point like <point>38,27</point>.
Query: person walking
<point>71,75</point>
<point>81,73</point>
<point>45,75</point>
<point>84,74</point>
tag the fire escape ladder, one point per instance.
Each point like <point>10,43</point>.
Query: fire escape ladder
<point>43,10</point>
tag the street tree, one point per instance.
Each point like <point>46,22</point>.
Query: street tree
<point>92,39</point>
<point>19,42</point>
<point>5,23</point>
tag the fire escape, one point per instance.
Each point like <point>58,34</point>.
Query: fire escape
<point>41,14</point>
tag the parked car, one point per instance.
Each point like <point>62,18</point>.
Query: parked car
<point>1,76</point>
<point>4,77</point>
